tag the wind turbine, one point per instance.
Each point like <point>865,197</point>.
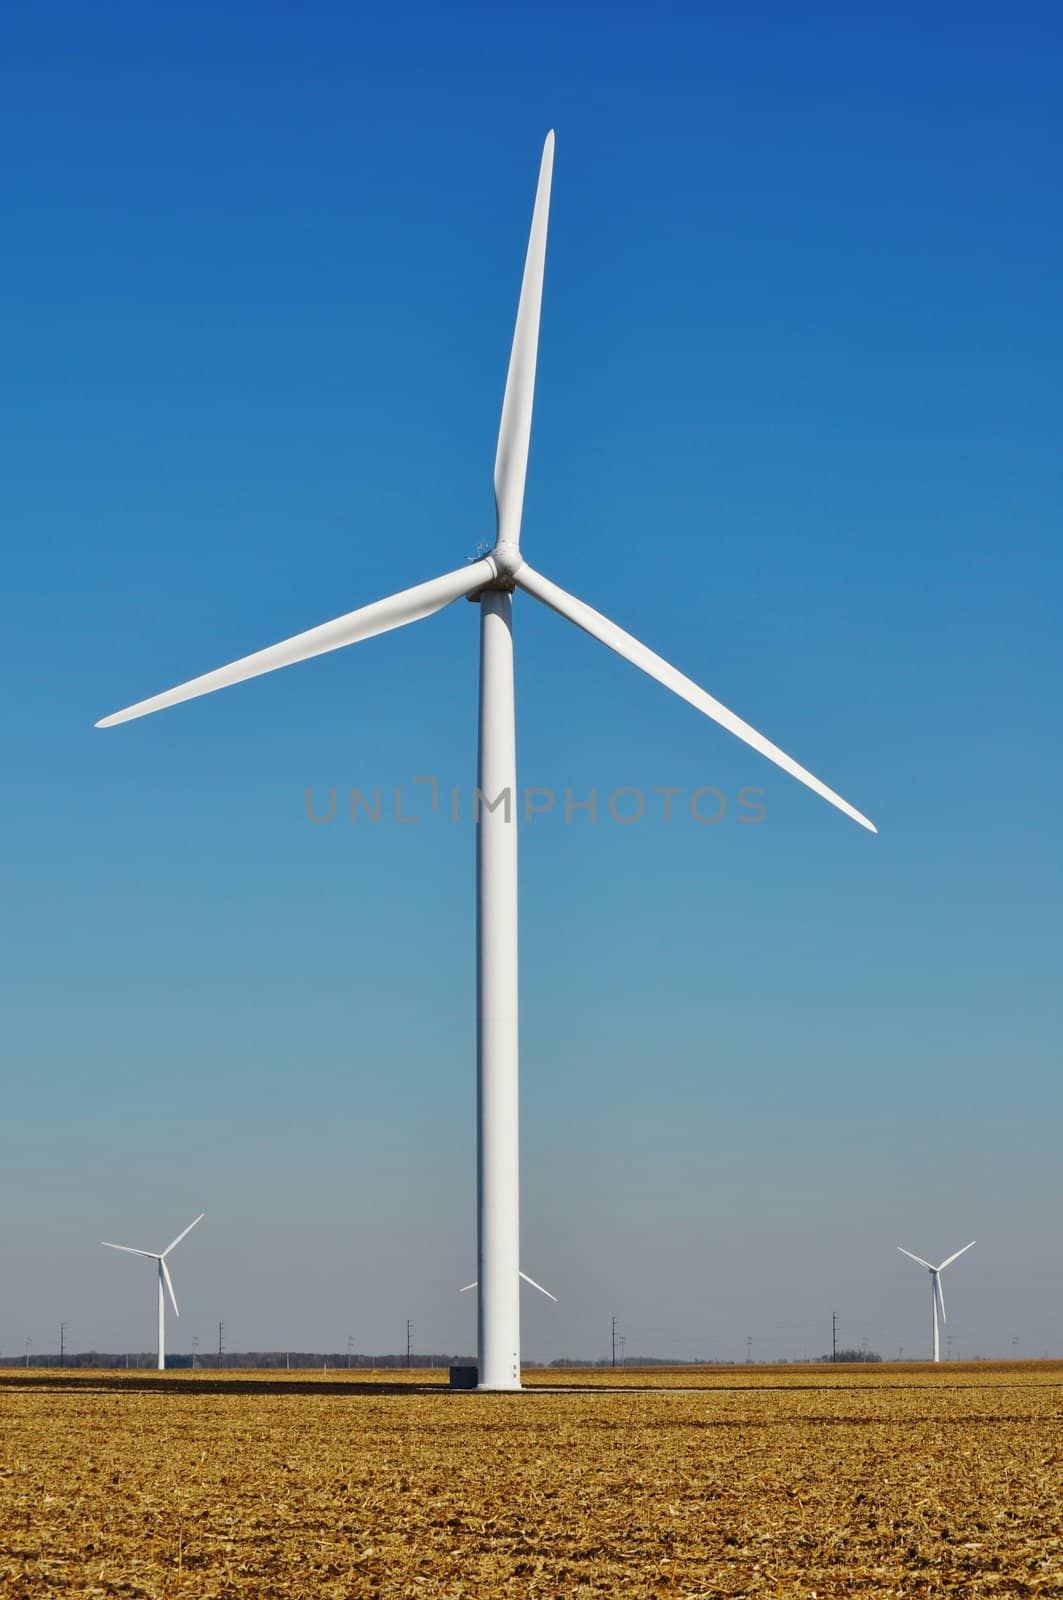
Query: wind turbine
<point>524,1276</point>
<point>163,1277</point>
<point>937,1299</point>
<point>491,580</point>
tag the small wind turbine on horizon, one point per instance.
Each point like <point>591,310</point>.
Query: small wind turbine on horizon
<point>523,1275</point>
<point>491,581</point>
<point>937,1299</point>
<point>162,1277</point>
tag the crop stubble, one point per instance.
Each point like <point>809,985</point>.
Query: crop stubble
<point>768,1482</point>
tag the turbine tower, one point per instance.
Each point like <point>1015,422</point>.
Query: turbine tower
<point>491,581</point>
<point>162,1277</point>
<point>937,1299</point>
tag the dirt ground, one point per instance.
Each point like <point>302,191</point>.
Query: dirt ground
<point>768,1481</point>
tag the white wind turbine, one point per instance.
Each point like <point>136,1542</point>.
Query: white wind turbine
<point>475,1285</point>
<point>162,1277</point>
<point>491,580</point>
<point>937,1299</point>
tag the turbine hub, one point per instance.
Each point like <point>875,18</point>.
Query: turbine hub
<point>507,559</point>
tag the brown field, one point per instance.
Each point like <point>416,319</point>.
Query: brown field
<point>768,1481</point>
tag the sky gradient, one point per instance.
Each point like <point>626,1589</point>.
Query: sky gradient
<point>796,427</point>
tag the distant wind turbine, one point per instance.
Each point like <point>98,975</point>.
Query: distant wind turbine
<point>163,1277</point>
<point>491,581</point>
<point>937,1299</point>
<point>474,1285</point>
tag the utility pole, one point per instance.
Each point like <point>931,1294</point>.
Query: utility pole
<point>62,1344</point>
<point>749,1349</point>
<point>221,1344</point>
<point>834,1336</point>
<point>614,1341</point>
<point>409,1342</point>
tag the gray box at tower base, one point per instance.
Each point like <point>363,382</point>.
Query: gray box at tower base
<point>464,1377</point>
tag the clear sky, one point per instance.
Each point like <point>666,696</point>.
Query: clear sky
<point>797,427</point>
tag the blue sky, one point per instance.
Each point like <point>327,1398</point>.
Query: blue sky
<point>797,427</point>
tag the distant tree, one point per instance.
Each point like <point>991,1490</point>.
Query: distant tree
<point>852,1355</point>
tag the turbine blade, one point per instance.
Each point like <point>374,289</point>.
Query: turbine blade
<point>540,1288</point>
<point>469,1286</point>
<point>956,1253</point>
<point>514,433</point>
<point>183,1234</point>
<point>169,1284</point>
<point>626,645</point>
<point>153,1255</point>
<point>398,609</point>
<point>940,1296</point>
<point>910,1256</point>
